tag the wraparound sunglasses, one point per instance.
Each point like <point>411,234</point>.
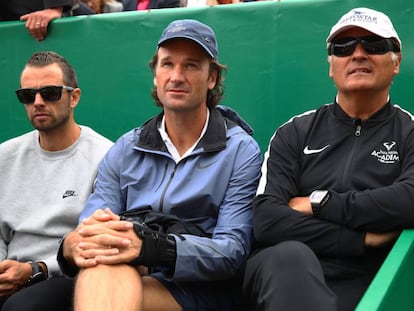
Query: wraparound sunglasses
<point>371,44</point>
<point>48,93</point>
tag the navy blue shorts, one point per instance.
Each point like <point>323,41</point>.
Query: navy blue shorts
<point>215,295</point>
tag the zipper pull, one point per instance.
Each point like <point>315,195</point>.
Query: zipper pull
<point>358,128</point>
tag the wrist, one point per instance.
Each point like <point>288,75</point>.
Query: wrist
<point>158,249</point>
<point>68,244</point>
<point>37,273</point>
<point>56,12</point>
<point>65,260</point>
<point>318,199</point>
<point>44,267</point>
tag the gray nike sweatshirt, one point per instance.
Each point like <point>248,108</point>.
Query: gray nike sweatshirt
<point>42,194</point>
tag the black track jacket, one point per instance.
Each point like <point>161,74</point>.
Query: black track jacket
<point>368,167</point>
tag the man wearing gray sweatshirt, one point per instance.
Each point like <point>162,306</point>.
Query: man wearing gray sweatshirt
<point>46,176</point>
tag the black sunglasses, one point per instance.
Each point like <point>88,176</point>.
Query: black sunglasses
<point>371,44</point>
<point>48,93</point>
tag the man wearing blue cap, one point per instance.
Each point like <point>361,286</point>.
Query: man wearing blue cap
<point>169,224</point>
<point>339,181</point>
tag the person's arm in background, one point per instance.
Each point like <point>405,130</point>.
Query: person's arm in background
<point>37,22</point>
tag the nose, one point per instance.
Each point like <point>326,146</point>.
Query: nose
<point>177,74</point>
<point>38,99</point>
<point>359,51</point>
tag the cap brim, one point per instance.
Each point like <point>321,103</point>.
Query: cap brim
<point>370,29</point>
<point>188,38</point>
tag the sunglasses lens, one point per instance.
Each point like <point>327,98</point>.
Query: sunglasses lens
<point>51,93</point>
<point>371,44</point>
<point>26,96</point>
<point>378,46</point>
<point>48,93</point>
<point>343,47</point>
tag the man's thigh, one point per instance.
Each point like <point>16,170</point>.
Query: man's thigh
<point>53,294</point>
<point>206,296</point>
<point>157,297</point>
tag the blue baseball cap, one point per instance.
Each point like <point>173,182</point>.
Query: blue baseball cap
<point>193,30</point>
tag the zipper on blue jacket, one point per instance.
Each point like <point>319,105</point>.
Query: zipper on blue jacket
<point>166,188</point>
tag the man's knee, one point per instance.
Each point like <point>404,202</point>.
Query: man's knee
<point>111,274</point>
<point>285,255</point>
<point>284,265</point>
<point>112,271</point>
<point>286,276</point>
<point>105,287</point>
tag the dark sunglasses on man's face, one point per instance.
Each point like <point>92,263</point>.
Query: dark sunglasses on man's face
<point>48,93</point>
<point>371,44</point>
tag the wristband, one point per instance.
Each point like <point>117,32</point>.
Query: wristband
<point>158,249</point>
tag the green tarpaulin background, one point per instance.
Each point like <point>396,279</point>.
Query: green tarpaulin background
<point>276,55</point>
<point>275,52</point>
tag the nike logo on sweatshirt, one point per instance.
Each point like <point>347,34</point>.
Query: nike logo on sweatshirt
<point>313,151</point>
<point>69,193</point>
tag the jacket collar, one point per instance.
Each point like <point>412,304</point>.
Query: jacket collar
<point>214,138</point>
<point>383,113</point>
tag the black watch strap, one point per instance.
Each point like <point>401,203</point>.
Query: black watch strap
<point>37,274</point>
<point>318,198</point>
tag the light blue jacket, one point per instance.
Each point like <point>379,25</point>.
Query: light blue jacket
<point>212,187</point>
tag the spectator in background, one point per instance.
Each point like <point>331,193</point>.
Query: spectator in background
<point>46,176</point>
<point>133,5</point>
<point>36,13</point>
<point>80,8</point>
<point>203,3</point>
<point>103,6</point>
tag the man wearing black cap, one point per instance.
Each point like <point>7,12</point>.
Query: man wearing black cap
<point>338,182</point>
<point>169,224</point>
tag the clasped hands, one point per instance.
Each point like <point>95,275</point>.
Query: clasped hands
<point>102,238</point>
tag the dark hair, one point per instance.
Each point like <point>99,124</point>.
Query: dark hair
<point>41,59</point>
<point>214,96</point>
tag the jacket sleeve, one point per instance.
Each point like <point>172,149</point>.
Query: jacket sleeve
<point>5,234</point>
<point>224,254</point>
<point>382,209</point>
<point>65,4</point>
<point>57,3</point>
<point>274,221</point>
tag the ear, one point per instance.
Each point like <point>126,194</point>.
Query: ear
<point>155,82</point>
<point>75,97</point>
<point>397,61</point>
<point>212,80</point>
<point>330,67</point>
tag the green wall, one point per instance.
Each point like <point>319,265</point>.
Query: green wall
<point>275,52</point>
